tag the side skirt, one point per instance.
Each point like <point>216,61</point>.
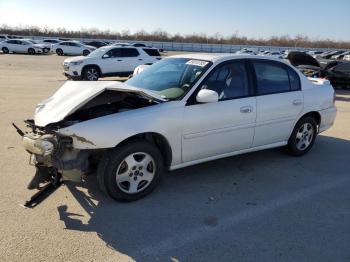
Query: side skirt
<point>258,148</point>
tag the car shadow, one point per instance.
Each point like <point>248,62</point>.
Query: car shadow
<point>198,196</point>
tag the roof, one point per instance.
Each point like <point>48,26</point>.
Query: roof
<point>222,56</point>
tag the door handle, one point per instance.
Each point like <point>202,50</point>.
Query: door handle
<point>119,60</point>
<point>246,109</point>
<point>140,59</point>
<point>297,102</point>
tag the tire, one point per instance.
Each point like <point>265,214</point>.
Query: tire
<point>5,50</point>
<point>31,51</point>
<point>59,52</point>
<point>303,136</point>
<point>86,52</point>
<point>91,73</point>
<point>122,174</point>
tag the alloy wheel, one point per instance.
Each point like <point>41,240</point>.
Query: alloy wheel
<point>92,74</point>
<point>135,173</point>
<point>304,136</point>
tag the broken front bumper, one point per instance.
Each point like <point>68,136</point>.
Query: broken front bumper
<point>53,153</point>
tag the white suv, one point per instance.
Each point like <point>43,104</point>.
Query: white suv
<point>109,61</point>
<point>72,48</point>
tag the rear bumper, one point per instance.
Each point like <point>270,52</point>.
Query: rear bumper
<point>327,118</point>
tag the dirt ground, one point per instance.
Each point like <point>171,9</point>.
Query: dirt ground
<point>263,206</point>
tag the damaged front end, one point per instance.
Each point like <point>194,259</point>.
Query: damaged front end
<point>52,153</point>
<point>53,156</point>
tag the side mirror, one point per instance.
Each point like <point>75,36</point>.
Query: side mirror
<point>105,56</point>
<point>207,96</point>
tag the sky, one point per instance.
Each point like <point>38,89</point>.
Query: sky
<point>252,18</point>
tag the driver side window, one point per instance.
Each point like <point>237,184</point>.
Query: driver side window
<point>113,53</point>
<point>229,81</point>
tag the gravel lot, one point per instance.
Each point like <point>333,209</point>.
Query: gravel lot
<point>263,206</point>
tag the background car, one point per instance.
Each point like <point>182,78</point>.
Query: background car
<point>109,61</point>
<point>72,48</point>
<point>338,73</point>
<point>329,54</point>
<point>96,44</point>
<point>341,55</point>
<point>3,38</point>
<point>22,46</point>
<point>308,65</point>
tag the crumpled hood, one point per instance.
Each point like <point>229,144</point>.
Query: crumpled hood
<point>74,94</point>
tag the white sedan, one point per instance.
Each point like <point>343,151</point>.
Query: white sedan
<point>72,48</point>
<point>22,46</point>
<point>181,111</point>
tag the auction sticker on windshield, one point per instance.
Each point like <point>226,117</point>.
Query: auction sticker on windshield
<point>197,63</point>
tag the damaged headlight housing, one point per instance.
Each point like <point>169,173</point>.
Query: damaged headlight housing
<point>46,147</point>
<point>38,146</point>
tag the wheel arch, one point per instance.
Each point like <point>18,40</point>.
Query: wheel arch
<point>316,115</point>
<point>92,65</point>
<point>155,138</point>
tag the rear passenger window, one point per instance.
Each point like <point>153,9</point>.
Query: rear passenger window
<point>294,80</point>
<point>271,78</point>
<point>130,52</point>
<point>151,52</point>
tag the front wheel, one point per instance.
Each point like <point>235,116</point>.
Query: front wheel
<point>59,51</point>
<point>303,136</point>
<point>86,52</point>
<point>91,73</point>
<point>31,51</point>
<point>130,172</point>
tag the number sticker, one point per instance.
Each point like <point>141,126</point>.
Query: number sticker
<point>197,63</point>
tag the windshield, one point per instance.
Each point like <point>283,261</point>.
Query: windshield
<point>99,52</point>
<point>32,41</point>
<point>170,78</point>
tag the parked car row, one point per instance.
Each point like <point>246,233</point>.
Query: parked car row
<point>337,71</point>
<point>328,55</point>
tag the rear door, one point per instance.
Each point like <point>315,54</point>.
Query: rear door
<point>11,45</point>
<point>131,59</point>
<point>75,48</point>
<point>279,101</point>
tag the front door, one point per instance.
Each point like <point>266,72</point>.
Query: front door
<point>212,129</point>
<point>112,61</point>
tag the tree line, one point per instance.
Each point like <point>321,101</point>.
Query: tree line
<point>163,36</point>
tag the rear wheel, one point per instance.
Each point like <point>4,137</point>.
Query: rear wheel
<point>130,172</point>
<point>303,136</point>
<point>59,51</point>
<point>31,51</point>
<point>91,73</point>
<point>86,52</point>
<point>5,50</point>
